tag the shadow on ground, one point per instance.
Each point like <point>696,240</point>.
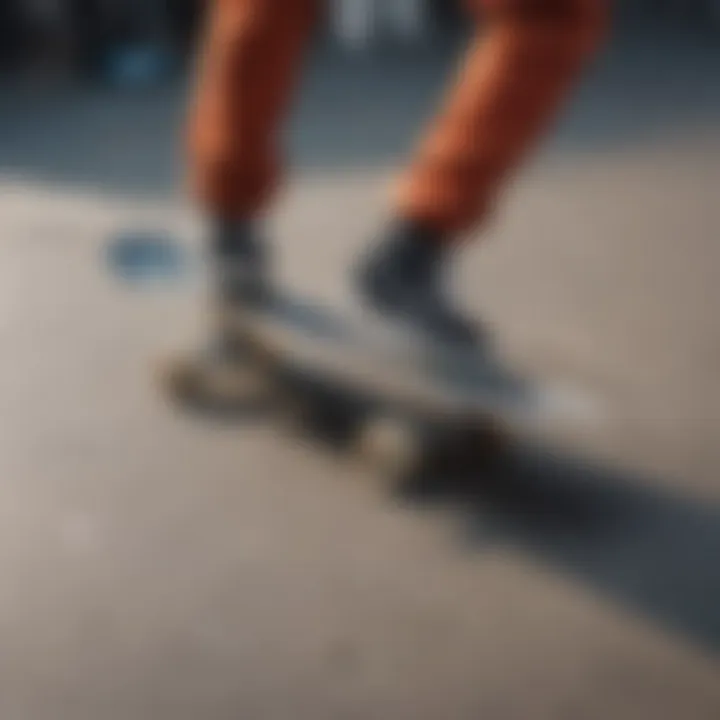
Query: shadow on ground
<point>624,536</point>
<point>654,552</point>
<point>353,113</point>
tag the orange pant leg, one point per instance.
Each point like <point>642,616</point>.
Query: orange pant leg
<point>250,59</point>
<point>517,72</point>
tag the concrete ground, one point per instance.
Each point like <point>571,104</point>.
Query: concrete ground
<point>154,566</point>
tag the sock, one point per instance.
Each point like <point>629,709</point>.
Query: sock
<point>412,248</point>
<point>233,239</point>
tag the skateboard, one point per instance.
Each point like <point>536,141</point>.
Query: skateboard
<point>376,395</point>
<point>363,386</point>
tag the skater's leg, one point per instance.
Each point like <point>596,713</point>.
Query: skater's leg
<point>514,77</point>
<point>250,60</point>
<point>251,57</point>
<point>512,83</point>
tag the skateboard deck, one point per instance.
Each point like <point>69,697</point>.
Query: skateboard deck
<point>384,395</point>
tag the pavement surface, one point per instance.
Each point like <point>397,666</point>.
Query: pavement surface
<point>154,566</point>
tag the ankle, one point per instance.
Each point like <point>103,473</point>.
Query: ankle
<point>233,237</point>
<point>418,234</point>
<point>408,251</point>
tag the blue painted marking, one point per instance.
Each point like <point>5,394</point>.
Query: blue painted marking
<point>145,258</point>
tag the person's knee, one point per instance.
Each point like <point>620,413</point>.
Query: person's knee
<point>570,26</point>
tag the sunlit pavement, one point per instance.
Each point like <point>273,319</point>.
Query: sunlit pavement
<point>154,566</point>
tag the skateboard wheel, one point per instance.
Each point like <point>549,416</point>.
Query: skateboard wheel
<point>326,419</point>
<point>203,384</point>
<point>182,379</point>
<point>488,438</point>
<point>232,383</point>
<point>477,441</point>
<point>292,414</point>
<point>391,444</point>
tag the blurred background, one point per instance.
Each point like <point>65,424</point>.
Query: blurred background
<point>156,566</point>
<point>81,38</point>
